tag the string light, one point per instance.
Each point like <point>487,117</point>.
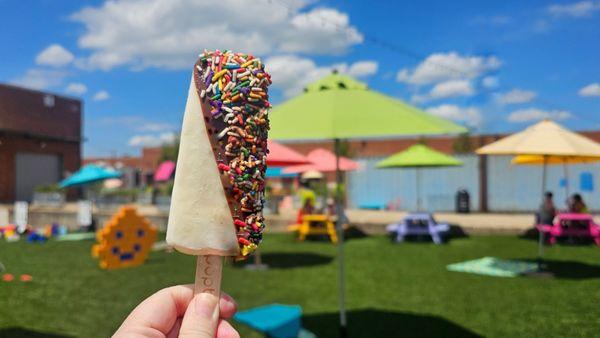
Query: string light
<point>405,51</point>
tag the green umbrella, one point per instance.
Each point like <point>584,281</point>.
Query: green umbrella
<point>339,107</point>
<point>418,156</point>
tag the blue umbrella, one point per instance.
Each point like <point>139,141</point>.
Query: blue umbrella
<point>273,172</point>
<point>89,174</point>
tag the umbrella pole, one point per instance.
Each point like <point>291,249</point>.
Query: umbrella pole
<point>418,188</point>
<point>566,173</point>
<point>340,244</point>
<point>540,233</point>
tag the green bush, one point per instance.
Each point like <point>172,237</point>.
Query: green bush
<point>48,188</point>
<point>165,189</point>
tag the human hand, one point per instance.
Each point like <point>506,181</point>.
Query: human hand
<point>175,312</point>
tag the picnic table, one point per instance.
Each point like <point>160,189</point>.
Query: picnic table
<point>571,225</point>
<point>419,224</point>
<point>316,224</point>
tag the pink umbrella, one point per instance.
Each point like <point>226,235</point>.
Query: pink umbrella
<point>281,156</point>
<point>324,161</point>
<point>164,171</point>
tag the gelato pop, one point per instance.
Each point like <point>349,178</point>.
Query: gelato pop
<point>218,194</point>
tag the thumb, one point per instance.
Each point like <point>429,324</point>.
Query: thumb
<point>201,317</point>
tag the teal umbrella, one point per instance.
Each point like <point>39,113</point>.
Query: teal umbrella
<point>339,107</point>
<point>89,174</point>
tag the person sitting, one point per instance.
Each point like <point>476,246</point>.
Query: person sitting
<point>308,200</point>
<point>547,210</point>
<point>577,205</point>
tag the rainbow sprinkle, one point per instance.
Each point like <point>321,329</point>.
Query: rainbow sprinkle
<point>235,86</point>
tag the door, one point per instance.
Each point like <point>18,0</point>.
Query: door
<point>33,170</point>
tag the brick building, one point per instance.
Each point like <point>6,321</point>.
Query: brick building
<point>143,166</point>
<point>382,148</point>
<point>40,140</point>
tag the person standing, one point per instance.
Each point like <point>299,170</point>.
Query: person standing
<point>547,210</point>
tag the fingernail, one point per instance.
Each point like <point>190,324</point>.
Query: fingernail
<point>228,298</point>
<point>205,304</point>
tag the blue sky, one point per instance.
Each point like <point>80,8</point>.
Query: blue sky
<point>493,66</point>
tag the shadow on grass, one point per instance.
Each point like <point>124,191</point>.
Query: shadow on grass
<point>380,323</point>
<point>354,232</point>
<point>19,332</point>
<point>285,260</point>
<point>568,269</point>
<point>533,234</point>
<point>350,233</point>
<point>456,231</point>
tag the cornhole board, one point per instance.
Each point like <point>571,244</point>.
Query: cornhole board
<point>274,320</point>
<point>492,266</point>
<point>78,236</point>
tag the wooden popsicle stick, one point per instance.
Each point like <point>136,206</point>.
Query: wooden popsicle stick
<point>208,275</point>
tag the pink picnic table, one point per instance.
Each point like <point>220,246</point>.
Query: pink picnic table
<point>563,227</point>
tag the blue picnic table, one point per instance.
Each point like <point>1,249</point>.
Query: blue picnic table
<point>420,223</point>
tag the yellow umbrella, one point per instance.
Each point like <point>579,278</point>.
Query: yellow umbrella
<point>545,138</point>
<point>536,159</point>
<point>543,143</point>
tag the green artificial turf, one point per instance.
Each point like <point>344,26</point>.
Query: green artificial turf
<point>393,290</point>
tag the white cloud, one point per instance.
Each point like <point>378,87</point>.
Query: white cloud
<point>363,68</point>
<point>37,78</point>
<point>452,88</point>
<point>516,96</point>
<point>54,55</point>
<point>101,95</point>
<point>576,9</point>
<point>593,89</point>
<point>76,88</point>
<point>490,82</point>
<point>441,67</point>
<point>154,140</point>
<point>155,126</point>
<point>444,90</point>
<point>534,114</point>
<point>292,80</point>
<point>170,33</point>
<point>470,116</point>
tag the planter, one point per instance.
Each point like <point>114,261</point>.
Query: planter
<point>112,201</point>
<point>163,203</point>
<point>144,198</point>
<point>55,199</point>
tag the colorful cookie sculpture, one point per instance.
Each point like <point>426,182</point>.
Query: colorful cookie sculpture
<point>125,240</point>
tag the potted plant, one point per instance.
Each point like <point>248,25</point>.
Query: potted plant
<point>49,194</point>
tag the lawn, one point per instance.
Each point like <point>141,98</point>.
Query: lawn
<point>392,290</point>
